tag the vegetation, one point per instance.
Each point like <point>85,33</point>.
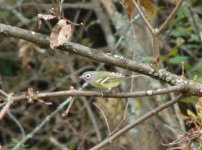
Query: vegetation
<point>46,45</point>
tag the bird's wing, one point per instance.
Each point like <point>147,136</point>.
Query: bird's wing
<point>108,79</point>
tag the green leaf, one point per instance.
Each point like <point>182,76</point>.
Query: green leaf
<point>193,38</point>
<point>199,79</point>
<point>136,104</point>
<point>180,41</point>
<point>192,99</point>
<point>200,115</point>
<point>191,114</point>
<point>147,59</point>
<point>177,59</point>
<point>188,67</point>
<point>198,65</point>
<point>180,32</point>
<point>181,14</point>
<point>3,14</point>
<point>173,51</point>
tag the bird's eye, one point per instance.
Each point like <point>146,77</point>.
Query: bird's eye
<point>87,76</point>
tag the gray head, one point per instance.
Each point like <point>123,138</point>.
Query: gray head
<point>87,76</point>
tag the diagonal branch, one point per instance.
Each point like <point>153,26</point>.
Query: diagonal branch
<point>137,122</point>
<point>9,102</point>
<point>172,14</point>
<point>38,127</point>
<point>93,54</point>
<point>143,17</point>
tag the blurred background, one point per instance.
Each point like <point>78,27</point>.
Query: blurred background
<point>106,27</point>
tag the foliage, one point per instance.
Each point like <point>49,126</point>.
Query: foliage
<point>26,65</point>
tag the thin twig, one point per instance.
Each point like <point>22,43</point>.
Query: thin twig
<point>78,5</point>
<point>58,144</point>
<point>119,125</point>
<point>3,93</point>
<point>143,17</point>
<point>104,23</point>
<point>65,113</point>
<point>104,116</point>
<point>47,119</point>
<point>137,122</point>
<point>172,14</point>
<point>92,118</point>
<point>8,104</point>
<point>17,123</point>
<point>178,88</point>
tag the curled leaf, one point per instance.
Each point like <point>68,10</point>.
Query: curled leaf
<point>60,34</point>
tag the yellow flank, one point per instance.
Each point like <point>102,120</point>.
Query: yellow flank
<point>104,80</point>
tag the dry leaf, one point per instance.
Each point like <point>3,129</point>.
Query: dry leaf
<point>60,34</point>
<point>65,34</point>
<point>149,7</point>
<point>26,52</point>
<point>45,17</point>
<point>129,7</point>
<point>147,4</point>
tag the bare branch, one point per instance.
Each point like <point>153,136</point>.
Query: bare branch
<point>194,87</point>
<point>3,93</point>
<point>172,14</point>
<point>86,5</point>
<point>47,119</point>
<point>8,104</point>
<point>46,95</point>
<point>6,108</point>
<point>143,17</point>
<point>105,117</point>
<point>137,122</point>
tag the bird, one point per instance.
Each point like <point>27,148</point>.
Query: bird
<point>105,80</point>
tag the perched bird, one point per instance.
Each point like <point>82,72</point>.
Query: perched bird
<point>105,80</point>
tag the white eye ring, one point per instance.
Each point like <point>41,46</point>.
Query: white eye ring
<point>87,76</point>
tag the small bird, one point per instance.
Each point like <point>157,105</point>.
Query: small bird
<point>105,80</point>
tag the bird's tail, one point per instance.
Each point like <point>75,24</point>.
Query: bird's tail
<point>135,76</point>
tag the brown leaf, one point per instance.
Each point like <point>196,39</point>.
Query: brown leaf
<point>149,7</point>
<point>60,34</point>
<point>147,4</point>
<point>26,51</point>
<point>129,7</point>
<point>65,34</point>
<point>45,17</point>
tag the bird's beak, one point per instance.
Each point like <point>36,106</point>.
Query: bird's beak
<point>80,77</point>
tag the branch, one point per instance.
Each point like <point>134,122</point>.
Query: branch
<point>9,102</point>
<point>47,119</point>
<point>143,17</point>
<point>137,122</point>
<point>86,5</point>
<point>93,54</point>
<point>3,93</point>
<point>172,14</point>
<point>46,95</point>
